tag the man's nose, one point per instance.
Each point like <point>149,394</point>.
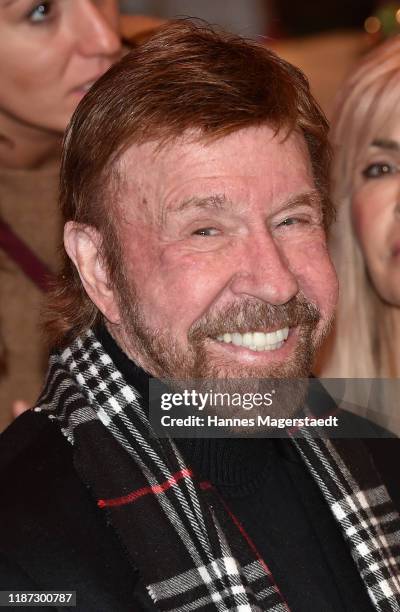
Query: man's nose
<point>95,33</point>
<point>263,271</point>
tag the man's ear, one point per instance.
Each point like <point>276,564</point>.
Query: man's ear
<point>83,245</point>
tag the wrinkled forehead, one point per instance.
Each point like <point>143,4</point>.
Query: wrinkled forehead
<point>255,155</point>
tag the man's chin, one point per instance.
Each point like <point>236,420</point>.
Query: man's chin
<point>275,370</point>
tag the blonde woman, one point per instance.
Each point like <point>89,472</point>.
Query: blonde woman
<point>365,135</point>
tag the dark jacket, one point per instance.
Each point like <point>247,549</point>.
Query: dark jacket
<point>53,536</point>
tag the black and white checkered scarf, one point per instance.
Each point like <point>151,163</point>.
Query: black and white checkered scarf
<point>176,530</point>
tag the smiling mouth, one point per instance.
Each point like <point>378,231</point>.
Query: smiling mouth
<point>255,340</point>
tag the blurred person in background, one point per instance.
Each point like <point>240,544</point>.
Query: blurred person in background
<point>365,135</point>
<point>51,54</point>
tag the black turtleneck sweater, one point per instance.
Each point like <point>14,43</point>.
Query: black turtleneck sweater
<point>270,491</point>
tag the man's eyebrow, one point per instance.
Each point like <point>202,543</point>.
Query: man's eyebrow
<point>220,202</point>
<point>6,3</point>
<point>386,143</point>
<point>215,201</point>
<point>308,198</point>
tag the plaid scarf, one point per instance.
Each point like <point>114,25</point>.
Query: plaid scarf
<point>188,548</point>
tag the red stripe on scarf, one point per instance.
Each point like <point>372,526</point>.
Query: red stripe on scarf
<point>207,485</point>
<point>155,490</point>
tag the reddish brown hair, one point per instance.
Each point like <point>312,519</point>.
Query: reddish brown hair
<point>186,76</point>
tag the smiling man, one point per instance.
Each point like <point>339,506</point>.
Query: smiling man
<point>236,227</point>
<point>194,191</point>
<point>228,273</point>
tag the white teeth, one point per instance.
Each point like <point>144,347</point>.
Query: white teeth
<point>257,341</point>
<point>282,333</point>
<point>247,339</point>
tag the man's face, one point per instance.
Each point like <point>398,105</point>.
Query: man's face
<point>225,266</point>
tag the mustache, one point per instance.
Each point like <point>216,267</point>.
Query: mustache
<point>250,314</point>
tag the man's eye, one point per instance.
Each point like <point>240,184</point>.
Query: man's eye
<point>291,221</point>
<point>40,12</point>
<point>206,231</point>
<point>379,169</point>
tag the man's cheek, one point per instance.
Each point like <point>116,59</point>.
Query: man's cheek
<point>195,277</point>
<point>177,300</point>
<point>318,281</point>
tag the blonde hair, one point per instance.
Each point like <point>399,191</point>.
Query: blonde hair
<point>363,344</point>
